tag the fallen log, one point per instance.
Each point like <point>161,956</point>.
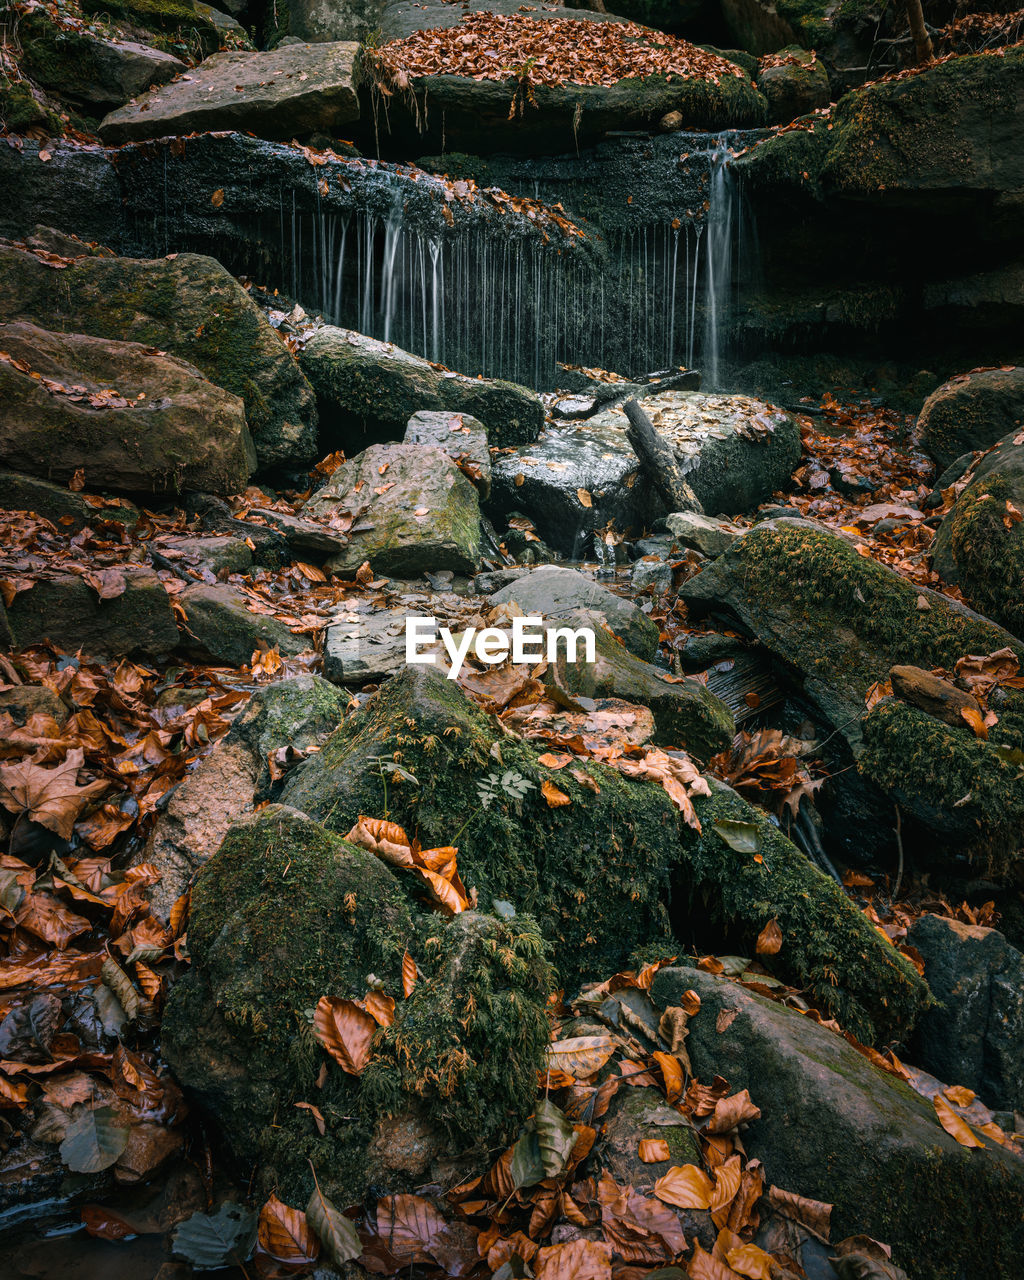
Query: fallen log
<point>658,461</point>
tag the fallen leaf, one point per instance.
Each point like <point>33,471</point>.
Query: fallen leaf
<point>555,798</point>
<point>953,1124</point>
<point>409,975</point>
<point>769,940</point>
<point>580,1056</point>
<point>345,1031</point>
<point>685,1186</point>
<point>285,1235</point>
<point>653,1150</point>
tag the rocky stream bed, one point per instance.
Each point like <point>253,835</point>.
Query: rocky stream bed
<point>699,955</point>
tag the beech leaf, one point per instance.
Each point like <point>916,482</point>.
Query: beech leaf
<point>94,1141</point>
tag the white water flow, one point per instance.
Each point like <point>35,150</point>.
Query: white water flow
<point>479,300</point>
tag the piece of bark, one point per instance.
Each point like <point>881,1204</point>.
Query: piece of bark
<point>933,695</point>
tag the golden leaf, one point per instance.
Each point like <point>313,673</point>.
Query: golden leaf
<point>345,1031</point>
<point>685,1186</point>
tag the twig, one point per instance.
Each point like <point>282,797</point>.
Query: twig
<point>899,849</point>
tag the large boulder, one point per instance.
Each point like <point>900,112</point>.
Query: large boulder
<point>975,1034</point>
<point>460,1058</point>
<point>834,1127</point>
<point>67,611</point>
<point>735,452</point>
<point>415,511</point>
<point>63,506</point>
<point>795,83</point>
<point>81,65</point>
<point>474,102</point>
<point>944,133</point>
<point>130,417</point>
<point>188,306</point>
<point>971,412</point>
<point>461,436</point>
<point>980,543</point>
<point>602,873</point>
<point>219,620</point>
<point>838,620</point>
<point>228,782</point>
<point>555,592</point>
<point>296,89</point>
<point>368,390</point>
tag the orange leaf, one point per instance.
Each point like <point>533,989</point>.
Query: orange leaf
<point>580,1056</point>
<point>748,1260</point>
<point>345,1031</point>
<point>727,1184</point>
<point>954,1125</point>
<point>671,1073</point>
<point>285,1235</point>
<point>380,1007</point>
<point>705,1267</point>
<point>555,798</point>
<point>409,1225</point>
<point>730,1112</point>
<point>653,1150</point>
<point>386,839</point>
<point>554,759</point>
<point>959,1095</point>
<point>409,974</point>
<point>585,499</point>
<point>574,1260</point>
<point>769,940</point>
<point>443,892</point>
<point>976,720</point>
<point>685,1186</point>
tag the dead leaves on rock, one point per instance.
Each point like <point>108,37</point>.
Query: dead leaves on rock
<point>436,868</point>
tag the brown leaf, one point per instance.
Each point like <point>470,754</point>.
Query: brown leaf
<point>555,798</point>
<point>769,940</point>
<point>51,797</point>
<point>580,1056</point>
<point>976,721</point>
<point>730,1112</point>
<point>386,839</point>
<point>703,1266</point>
<point>725,1019</point>
<point>316,1113</point>
<point>554,759</point>
<point>653,1150</point>
<point>380,1007</point>
<point>814,1215</point>
<point>409,1226</point>
<point>217,199</point>
<point>671,1073</point>
<point>409,975</point>
<point>959,1095</point>
<point>285,1235</point>
<point>685,1186</point>
<point>954,1125</point>
<point>574,1260</point>
<point>345,1031</point>
<point>585,499</point>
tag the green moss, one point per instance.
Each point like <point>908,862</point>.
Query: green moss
<point>171,17</point>
<point>469,1043</point>
<point>594,873</point>
<point>849,618</point>
<point>909,753</point>
<point>829,948</point>
<point>989,557</point>
<point>283,914</point>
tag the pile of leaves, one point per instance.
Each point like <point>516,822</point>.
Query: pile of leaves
<point>490,46</point>
<point>980,32</point>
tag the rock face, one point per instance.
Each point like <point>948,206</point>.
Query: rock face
<point>83,66</point>
<point>833,1127</point>
<point>236,1034</point>
<point>326,20</point>
<point>840,619</point>
<point>975,1036</point>
<point>227,783</point>
<point>65,610</point>
<point>188,306</point>
<point>56,502</point>
<point>461,436</point>
<point>735,453</point>
<point>970,412</point>
<point>296,89</point>
<point>132,418</point>
<point>980,543</point>
<point>364,646</point>
<point>553,592</point>
<point>228,631</point>
<point>416,512</point>
<point>369,390</point>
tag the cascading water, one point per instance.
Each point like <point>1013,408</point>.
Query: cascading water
<point>655,296</point>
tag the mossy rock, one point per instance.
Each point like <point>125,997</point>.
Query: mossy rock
<point>972,411</point>
<point>795,88</point>
<point>22,107</point>
<point>838,620</point>
<point>188,306</point>
<point>834,1127</point>
<point>284,913</point>
<point>949,130</point>
<point>829,948</point>
<point>178,18</point>
<point>980,543</point>
<point>791,161</point>
<point>594,873</point>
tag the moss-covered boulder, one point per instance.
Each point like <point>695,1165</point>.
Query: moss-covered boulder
<point>188,306</point>
<point>829,948</point>
<point>967,792</point>
<point>795,83</point>
<point>980,544</point>
<point>368,390</point>
<point>223,627</point>
<point>81,65</point>
<point>972,411</point>
<point>607,872</point>
<point>285,913</point>
<point>131,418</point>
<point>594,872</point>
<point>945,131</point>
<point>416,512</point>
<point>839,621</point>
<point>686,713</point>
<point>834,1127</point>
<point>177,21</point>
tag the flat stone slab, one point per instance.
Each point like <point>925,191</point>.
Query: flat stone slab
<point>295,89</point>
<point>360,647</point>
